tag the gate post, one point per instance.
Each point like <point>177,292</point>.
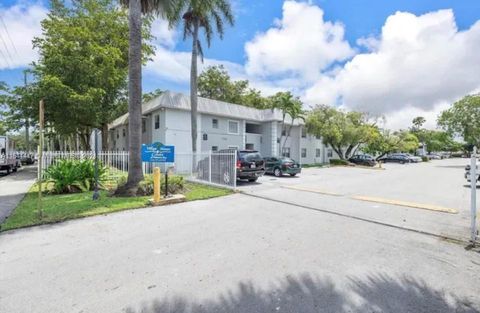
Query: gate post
<point>210,166</point>
<point>473,195</point>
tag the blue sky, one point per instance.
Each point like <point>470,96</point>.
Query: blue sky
<point>345,53</point>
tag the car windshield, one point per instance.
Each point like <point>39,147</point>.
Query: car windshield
<point>288,160</point>
<point>250,156</point>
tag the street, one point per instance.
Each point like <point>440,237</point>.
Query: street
<point>238,253</point>
<point>13,187</point>
<point>438,183</point>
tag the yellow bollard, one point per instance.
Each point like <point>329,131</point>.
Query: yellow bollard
<point>156,185</point>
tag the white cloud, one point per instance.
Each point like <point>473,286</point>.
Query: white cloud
<point>300,44</point>
<point>418,64</point>
<point>23,24</point>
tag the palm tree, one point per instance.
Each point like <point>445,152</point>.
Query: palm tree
<point>135,10</point>
<point>201,14</point>
<point>290,106</point>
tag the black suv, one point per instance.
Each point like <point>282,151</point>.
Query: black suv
<point>250,165</point>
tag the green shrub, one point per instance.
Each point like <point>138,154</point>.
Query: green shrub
<point>425,159</point>
<point>175,185</point>
<point>68,176</point>
<point>338,162</point>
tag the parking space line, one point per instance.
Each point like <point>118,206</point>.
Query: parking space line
<point>315,190</point>
<point>415,205</point>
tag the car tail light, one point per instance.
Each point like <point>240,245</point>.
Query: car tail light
<point>288,164</point>
<point>239,164</point>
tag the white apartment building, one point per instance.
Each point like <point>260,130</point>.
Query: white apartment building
<point>221,125</point>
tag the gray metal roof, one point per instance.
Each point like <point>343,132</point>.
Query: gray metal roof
<point>179,101</point>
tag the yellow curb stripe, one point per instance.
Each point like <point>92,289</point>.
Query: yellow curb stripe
<point>407,204</point>
<point>315,190</point>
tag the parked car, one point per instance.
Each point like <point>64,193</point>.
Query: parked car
<point>363,159</point>
<point>434,156</point>
<point>413,158</point>
<point>467,173</point>
<point>395,158</point>
<point>249,165</point>
<point>26,159</point>
<point>281,165</point>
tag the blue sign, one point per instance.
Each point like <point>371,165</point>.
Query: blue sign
<point>158,153</point>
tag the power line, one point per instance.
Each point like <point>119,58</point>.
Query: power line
<point>8,35</point>
<point>6,48</point>
<point>4,58</point>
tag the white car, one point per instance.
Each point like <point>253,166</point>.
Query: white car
<point>414,159</point>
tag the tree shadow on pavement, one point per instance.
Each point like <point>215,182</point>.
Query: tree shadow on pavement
<point>308,294</point>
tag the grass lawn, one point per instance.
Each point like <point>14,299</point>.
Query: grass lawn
<point>57,208</point>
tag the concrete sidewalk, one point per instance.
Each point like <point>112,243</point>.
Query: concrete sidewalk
<point>13,188</point>
<point>235,254</point>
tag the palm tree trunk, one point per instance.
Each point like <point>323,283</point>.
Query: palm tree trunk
<point>135,173</point>
<point>193,93</point>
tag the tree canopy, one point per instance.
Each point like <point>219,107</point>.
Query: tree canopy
<point>344,131</point>
<point>463,119</point>
<point>83,66</point>
<point>215,83</point>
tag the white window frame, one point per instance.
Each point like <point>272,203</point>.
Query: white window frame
<point>301,153</point>
<point>318,152</point>
<point>330,153</point>
<point>232,147</point>
<point>156,118</point>
<point>238,127</point>
<point>213,123</point>
<point>284,150</point>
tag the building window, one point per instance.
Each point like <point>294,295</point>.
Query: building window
<point>144,126</point>
<point>233,127</point>
<point>232,147</point>
<point>214,148</point>
<point>304,132</point>
<point>157,121</point>
<point>317,153</point>
<point>205,137</point>
<point>284,132</point>
<point>330,153</point>
<point>118,134</point>
<point>286,152</point>
<point>214,123</point>
<point>318,137</point>
<point>304,152</point>
<point>124,132</point>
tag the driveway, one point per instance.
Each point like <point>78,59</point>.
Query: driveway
<point>13,188</point>
<point>233,254</point>
<point>436,184</point>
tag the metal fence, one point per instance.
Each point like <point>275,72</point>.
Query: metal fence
<point>215,168</point>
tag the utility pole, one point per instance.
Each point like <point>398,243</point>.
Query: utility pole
<point>27,121</point>
<point>473,195</point>
<point>41,121</point>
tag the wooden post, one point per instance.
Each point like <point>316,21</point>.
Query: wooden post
<point>41,121</point>
<point>156,185</point>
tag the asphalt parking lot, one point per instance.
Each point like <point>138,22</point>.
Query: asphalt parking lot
<point>437,190</point>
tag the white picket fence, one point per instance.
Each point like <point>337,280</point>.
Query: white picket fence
<point>207,167</point>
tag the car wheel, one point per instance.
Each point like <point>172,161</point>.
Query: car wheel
<point>402,162</point>
<point>277,172</point>
<point>8,170</point>
<point>252,180</point>
<point>293,174</point>
<point>14,170</point>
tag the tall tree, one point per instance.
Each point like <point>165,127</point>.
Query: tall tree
<point>197,15</point>
<point>135,10</point>
<point>83,64</point>
<point>215,83</point>
<point>418,122</point>
<point>463,119</point>
<point>289,106</point>
<point>345,132</point>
